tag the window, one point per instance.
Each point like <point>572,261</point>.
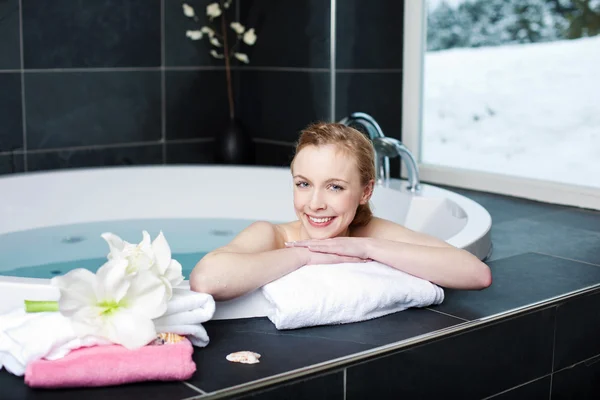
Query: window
<point>504,96</point>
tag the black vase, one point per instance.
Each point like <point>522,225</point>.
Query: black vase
<point>234,144</point>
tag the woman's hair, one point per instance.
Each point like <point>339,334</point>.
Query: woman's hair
<point>351,141</point>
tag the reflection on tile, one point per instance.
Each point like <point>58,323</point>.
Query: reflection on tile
<point>471,365</point>
<point>13,388</point>
<point>93,33</point>
<point>536,390</point>
<point>290,34</point>
<point>376,332</point>
<point>96,157</point>
<point>377,94</point>
<point>325,387</point>
<point>526,235</point>
<point>11,117</point>
<point>279,354</point>
<point>577,331</point>
<point>196,104</point>
<point>518,281</point>
<point>11,163</point>
<point>92,108</point>
<point>579,382</point>
<point>278,105</point>
<point>190,153</point>
<point>277,155</point>
<point>573,218</point>
<point>9,35</point>
<point>369,34</point>
<point>179,49</point>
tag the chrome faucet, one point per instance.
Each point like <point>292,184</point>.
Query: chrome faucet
<point>386,148</point>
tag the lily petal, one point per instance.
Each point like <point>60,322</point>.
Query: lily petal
<point>111,282</point>
<point>129,329</point>
<point>77,289</point>
<point>147,295</point>
<point>174,273</point>
<point>162,253</point>
<point>115,244</point>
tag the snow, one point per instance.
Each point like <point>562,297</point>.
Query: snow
<point>530,110</point>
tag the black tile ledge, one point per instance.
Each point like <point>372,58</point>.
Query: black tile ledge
<point>518,281</point>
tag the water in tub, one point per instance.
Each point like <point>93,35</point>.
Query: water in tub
<point>51,251</point>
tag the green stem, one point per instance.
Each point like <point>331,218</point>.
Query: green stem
<point>32,306</point>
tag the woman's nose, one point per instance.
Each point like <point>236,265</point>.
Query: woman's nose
<point>317,201</point>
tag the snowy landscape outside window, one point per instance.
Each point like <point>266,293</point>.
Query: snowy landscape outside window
<point>513,87</point>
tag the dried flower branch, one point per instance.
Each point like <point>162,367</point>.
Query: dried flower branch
<point>220,45</point>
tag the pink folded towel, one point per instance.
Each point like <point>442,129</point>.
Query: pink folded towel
<point>113,365</point>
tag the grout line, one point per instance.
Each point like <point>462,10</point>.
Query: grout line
<point>345,373</point>
<point>596,357</point>
<point>446,314</point>
<point>10,71</point>
<point>163,94</point>
<point>170,68</point>
<point>276,142</point>
<point>516,387</point>
<point>92,69</point>
<point>105,146</point>
<point>566,258</point>
<point>370,70</point>
<point>23,110</point>
<point>197,389</point>
<point>332,59</point>
<point>553,350</point>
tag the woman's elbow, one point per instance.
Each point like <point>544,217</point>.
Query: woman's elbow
<point>484,276</point>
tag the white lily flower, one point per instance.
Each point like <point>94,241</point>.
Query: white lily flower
<point>214,53</point>
<point>194,35</point>
<point>242,57</point>
<point>213,10</point>
<point>110,305</point>
<point>208,31</point>
<point>237,27</point>
<point>227,3</point>
<point>249,37</point>
<point>215,42</point>
<point>188,10</point>
<point>154,257</point>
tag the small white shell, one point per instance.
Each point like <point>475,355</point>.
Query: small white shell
<point>244,357</point>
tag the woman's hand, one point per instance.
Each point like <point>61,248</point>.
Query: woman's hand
<point>356,248</point>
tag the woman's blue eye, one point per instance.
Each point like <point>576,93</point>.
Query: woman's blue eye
<point>337,188</point>
<point>301,184</point>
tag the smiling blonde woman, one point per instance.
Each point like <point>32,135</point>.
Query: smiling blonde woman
<point>333,172</point>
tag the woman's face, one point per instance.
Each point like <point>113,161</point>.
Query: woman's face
<point>327,191</point>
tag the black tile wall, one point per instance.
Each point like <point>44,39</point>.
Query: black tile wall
<point>277,105</point>
<point>196,104</point>
<point>92,108</point>
<point>289,34</point>
<point>11,163</point>
<point>274,154</point>
<point>93,77</point>
<point>11,117</point>
<point>9,35</point>
<point>465,365</point>
<point>536,390</point>
<point>579,382</point>
<point>91,33</point>
<point>325,387</point>
<point>577,331</point>
<point>96,157</point>
<point>369,34</point>
<point>518,281</point>
<point>190,152</point>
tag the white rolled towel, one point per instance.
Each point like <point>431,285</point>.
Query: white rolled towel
<point>344,293</point>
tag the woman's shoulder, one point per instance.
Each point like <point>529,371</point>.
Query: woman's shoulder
<point>288,230</point>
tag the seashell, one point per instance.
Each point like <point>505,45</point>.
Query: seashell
<point>244,357</point>
<point>167,338</point>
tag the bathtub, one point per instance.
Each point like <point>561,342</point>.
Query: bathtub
<point>55,218</point>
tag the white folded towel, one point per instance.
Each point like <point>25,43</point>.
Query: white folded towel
<point>344,293</point>
<point>186,311</point>
<point>26,337</point>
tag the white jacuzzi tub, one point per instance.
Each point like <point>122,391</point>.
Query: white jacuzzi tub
<point>48,199</point>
